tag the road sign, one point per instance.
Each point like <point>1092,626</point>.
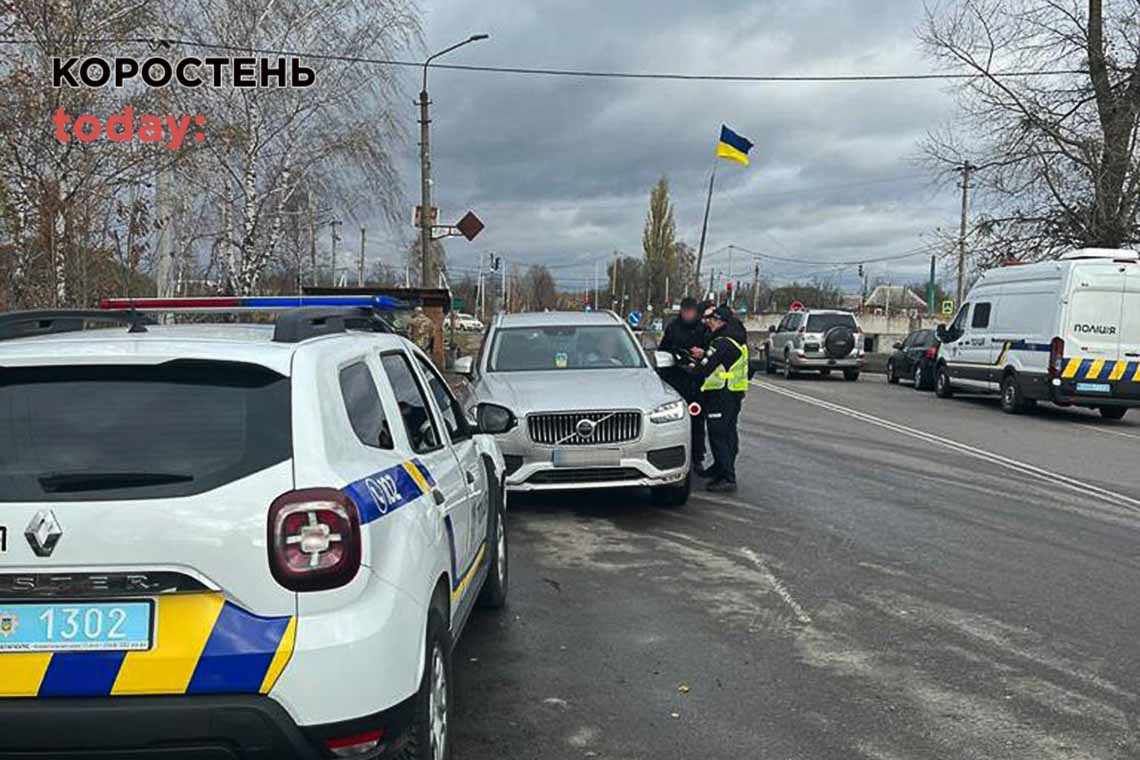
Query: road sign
<point>947,308</point>
<point>470,225</point>
<point>797,306</point>
<point>634,319</point>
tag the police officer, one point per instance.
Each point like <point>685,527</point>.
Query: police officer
<point>421,330</point>
<point>723,370</point>
<point>683,334</point>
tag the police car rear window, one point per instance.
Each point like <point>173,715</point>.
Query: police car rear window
<point>138,432</point>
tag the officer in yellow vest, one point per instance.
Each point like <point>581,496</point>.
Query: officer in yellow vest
<point>723,370</point>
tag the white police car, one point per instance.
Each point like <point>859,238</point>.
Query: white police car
<point>236,541</point>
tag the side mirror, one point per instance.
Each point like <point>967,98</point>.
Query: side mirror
<point>896,345</point>
<point>663,360</point>
<point>464,365</point>
<point>942,333</point>
<point>494,419</point>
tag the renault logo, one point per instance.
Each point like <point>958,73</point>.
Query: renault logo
<point>43,533</point>
<point>586,428</point>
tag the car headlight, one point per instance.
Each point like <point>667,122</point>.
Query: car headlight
<point>670,412</point>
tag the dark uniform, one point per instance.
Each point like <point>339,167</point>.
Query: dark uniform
<point>679,337</point>
<point>723,372</point>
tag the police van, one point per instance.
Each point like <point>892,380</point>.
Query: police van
<point>1064,331</point>
<point>234,541</point>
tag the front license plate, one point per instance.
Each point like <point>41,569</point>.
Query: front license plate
<point>586,457</point>
<point>1094,388</point>
<point>104,627</point>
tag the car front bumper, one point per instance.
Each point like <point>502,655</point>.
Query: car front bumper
<point>240,727</point>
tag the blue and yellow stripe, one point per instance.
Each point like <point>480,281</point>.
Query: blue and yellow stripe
<point>383,492</point>
<point>203,645</point>
<point>1101,369</point>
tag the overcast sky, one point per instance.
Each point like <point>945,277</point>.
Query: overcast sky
<point>560,168</point>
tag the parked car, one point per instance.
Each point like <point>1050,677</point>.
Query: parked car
<point>915,359</point>
<point>234,540</point>
<point>1065,331</point>
<point>466,322</point>
<point>818,340</point>
<point>594,413</point>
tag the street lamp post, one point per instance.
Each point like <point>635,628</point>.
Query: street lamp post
<point>427,273</point>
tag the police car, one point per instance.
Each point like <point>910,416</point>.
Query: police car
<point>1065,331</point>
<point>236,541</point>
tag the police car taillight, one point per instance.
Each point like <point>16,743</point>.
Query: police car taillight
<point>1056,357</point>
<point>314,539</point>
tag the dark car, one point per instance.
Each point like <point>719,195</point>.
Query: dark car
<point>915,359</point>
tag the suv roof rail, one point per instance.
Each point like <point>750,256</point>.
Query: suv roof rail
<point>302,324</point>
<point>27,324</point>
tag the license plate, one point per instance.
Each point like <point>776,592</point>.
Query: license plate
<point>1094,388</point>
<point>104,627</point>
<point>586,457</point>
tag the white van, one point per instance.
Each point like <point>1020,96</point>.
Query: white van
<point>1065,331</point>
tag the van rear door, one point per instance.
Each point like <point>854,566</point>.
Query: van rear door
<point>1094,328</point>
<point>1130,318</point>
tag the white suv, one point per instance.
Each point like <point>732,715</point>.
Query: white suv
<point>235,541</point>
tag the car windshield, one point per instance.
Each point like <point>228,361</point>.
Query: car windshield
<point>121,432</point>
<point>818,323</point>
<point>530,349</point>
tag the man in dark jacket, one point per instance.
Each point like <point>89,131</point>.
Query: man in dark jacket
<point>682,335</point>
<point>722,369</point>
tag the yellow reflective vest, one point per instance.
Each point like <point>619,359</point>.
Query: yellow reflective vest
<point>735,378</point>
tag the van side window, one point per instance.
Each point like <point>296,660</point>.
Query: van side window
<point>981,316</point>
<point>362,402</point>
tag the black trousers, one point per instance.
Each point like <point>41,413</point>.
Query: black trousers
<point>698,446</point>
<point>723,412</point>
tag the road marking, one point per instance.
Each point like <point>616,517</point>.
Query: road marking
<point>1108,432</point>
<point>780,589</point>
<point>1080,487</point>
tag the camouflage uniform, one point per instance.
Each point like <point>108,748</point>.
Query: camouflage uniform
<point>421,331</point>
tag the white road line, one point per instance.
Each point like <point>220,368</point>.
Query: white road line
<point>1108,432</point>
<point>777,585</point>
<point>1072,484</point>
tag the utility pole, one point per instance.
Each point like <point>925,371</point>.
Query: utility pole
<point>360,268</point>
<point>930,290</point>
<point>967,169</point>
<point>425,167</point>
<point>503,286</point>
<point>704,228</point>
<point>755,286</point>
<point>335,239</point>
<point>312,238</point>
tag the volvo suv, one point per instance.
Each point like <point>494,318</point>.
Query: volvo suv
<point>593,412</point>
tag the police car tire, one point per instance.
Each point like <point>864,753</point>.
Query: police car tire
<point>1012,400</point>
<point>942,387</point>
<point>493,595</point>
<point>1113,412</point>
<point>419,744</point>
<point>673,496</point>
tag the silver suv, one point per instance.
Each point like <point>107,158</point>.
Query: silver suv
<point>592,411</point>
<point>818,340</point>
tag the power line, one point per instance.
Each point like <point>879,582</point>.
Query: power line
<point>578,73</point>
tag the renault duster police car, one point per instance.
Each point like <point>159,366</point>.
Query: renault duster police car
<point>1065,331</point>
<point>236,541</point>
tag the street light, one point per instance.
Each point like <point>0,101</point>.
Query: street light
<point>425,165</point>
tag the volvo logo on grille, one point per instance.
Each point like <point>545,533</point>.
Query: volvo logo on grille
<point>586,427</point>
<point>43,533</point>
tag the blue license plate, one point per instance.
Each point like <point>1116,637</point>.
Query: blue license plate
<point>1094,388</point>
<point>66,627</point>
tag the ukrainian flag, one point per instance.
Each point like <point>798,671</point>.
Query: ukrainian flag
<point>732,146</point>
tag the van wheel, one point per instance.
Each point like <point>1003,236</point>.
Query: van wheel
<point>1013,401</point>
<point>1113,412</point>
<point>892,374</point>
<point>942,387</point>
<point>431,729</point>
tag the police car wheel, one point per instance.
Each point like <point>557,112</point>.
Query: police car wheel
<point>1113,412</point>
<point>942,387</point>
<point>494,593</point>
<point>1011,399</point>
<point>431,730</point>
<point>673,496</point>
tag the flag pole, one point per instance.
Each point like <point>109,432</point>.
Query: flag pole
<point>705,226</point>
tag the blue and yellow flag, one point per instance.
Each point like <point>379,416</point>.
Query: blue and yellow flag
<point>732,146</point>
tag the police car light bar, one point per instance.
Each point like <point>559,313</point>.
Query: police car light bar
<point>208,305</point>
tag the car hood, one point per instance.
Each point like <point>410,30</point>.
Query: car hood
<point>554,390</point>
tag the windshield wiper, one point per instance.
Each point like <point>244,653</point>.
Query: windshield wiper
<point>74,482</point>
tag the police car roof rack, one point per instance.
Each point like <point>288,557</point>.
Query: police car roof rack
<point>299,317</point>
<point>27,324</point>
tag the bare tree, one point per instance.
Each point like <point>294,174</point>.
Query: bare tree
<point>1056,154</point>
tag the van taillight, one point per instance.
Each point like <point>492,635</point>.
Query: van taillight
<point>1056,358</point>
<point>314,539</point>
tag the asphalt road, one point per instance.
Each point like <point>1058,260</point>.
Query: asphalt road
<point>871,592</point>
